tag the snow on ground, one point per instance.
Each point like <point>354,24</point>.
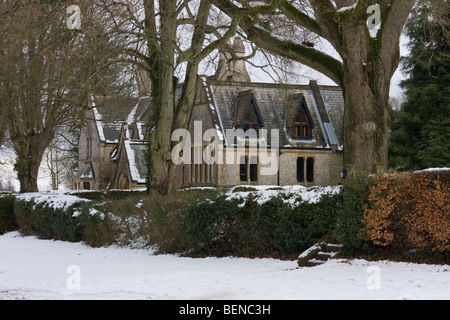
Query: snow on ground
<point>44,269</point>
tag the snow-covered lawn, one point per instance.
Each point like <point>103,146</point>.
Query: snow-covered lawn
<point>42,269</point>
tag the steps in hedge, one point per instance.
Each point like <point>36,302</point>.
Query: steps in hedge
<point>318,254</point>
<point>334,247</point>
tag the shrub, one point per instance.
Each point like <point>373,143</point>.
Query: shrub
<point>144,219</point>
<point>81,221</point>
<point>222,227</point>
<point>97,228</point>
<point>23,211</point>
<point>7,219</point>
<point>409,211</point>
<point>351,212</point>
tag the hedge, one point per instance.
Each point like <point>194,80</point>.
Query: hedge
<point>222,227</point>
<point>396,216</point>
<point>407,212</point>
<point>78,222</point>
<point>7,219</point>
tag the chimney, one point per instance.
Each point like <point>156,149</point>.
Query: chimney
<point>230,69</point>
<point>144,83</point>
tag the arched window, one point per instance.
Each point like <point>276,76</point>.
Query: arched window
<point>302,125</point>
<point>298,119</point>
<point>248,115</point>
<point>123,182</point>
<point>250,120</point>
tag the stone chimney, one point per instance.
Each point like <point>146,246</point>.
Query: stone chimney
<point>144,83</point>
<point>230,69</point>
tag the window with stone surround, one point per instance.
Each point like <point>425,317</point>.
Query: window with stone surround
<point>200,172</point>
<point>248,170</point>
<point>305,169</point>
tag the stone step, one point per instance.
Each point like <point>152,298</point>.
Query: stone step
<point>318,254</point>
<point>324,256</point>
<point>331,247</point>
<point>314,262</point>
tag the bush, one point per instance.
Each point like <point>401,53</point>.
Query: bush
<point>79,222</point>
<point>23,211</point>
<point>146,219</point>
<point>7,219</point>
<point>407,212</point>
<point>350,214</point>
<point>224,227</point>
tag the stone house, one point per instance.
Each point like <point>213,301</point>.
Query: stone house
<point>307,118</point>
<point>111,144</point>
<point>300,126</point>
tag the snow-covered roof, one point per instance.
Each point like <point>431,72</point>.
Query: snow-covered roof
<point>111,112</point>
<point>135,152</point>
<point>86,172</point>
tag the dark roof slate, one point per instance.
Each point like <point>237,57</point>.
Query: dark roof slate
<point>277,110</point>
<point>244,101</point>
<point>86,172</point>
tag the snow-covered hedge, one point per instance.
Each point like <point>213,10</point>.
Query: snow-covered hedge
<point>60,216</point>
<point>255,223</point>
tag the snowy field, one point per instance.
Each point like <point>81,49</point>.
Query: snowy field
<point>42,269</point>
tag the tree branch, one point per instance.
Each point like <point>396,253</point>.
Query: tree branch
<point>300,18</point>
<point>393,19</point>
<point>313,58</point>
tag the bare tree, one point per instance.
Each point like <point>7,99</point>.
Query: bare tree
<point>368,59</point>
<point>60,158</point>
<point>48,72</point>
<point>162,36</point>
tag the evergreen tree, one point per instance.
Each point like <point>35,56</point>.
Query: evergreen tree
<point>420,136</point>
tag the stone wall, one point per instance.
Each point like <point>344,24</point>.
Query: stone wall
<point>326,169</point>
<point>99,155</point>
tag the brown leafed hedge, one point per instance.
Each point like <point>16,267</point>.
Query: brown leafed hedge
<point>409,211</point>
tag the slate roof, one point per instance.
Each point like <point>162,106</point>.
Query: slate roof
<point>112,112</point>
<point>86,172</point>
<point>244,101</point>
<point>136,160</point>
<point>118,109</point>
<point>277,104</point>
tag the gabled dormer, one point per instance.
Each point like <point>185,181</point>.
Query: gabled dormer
<point>248,115</point>
<point>299,123</point>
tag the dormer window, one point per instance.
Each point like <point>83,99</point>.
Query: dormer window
<point>298,119</point>
<point>251,120</point>
<point>302,126</point>
<point>248,115</point>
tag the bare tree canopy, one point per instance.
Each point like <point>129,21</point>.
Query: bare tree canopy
<point>48,72</point>
<point>163,36</point>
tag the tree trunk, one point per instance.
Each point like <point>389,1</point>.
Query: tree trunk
<point>29,156</point>
<point>366,127</point>
<point>366,94</point>
<point>161,138</point>
<point>164,177</point>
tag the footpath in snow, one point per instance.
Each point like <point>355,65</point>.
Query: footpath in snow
<point>43,269</point>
